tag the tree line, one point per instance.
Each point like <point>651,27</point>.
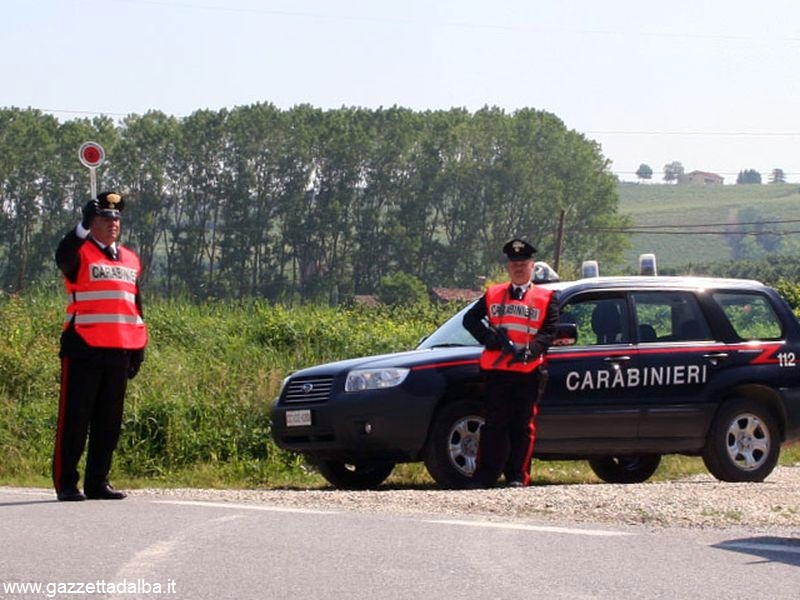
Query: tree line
<point>258,201</point>
<point>674,171</point>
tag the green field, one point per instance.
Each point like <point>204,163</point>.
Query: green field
<point>680,210</point>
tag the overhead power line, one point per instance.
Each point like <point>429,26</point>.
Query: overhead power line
<point>695,229</point>
<point>785,173</point>
<point>699,232</point>
<point>737,223</point>
<point>696,133</point>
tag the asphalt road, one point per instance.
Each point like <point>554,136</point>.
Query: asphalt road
<point>144,547</point>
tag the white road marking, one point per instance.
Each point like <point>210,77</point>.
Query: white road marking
<point>524,527</point>
<point>144,562</point>
<point>247,507</point>
<point>489,524</point>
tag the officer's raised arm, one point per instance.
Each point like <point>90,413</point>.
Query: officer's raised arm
<point>67,256</point>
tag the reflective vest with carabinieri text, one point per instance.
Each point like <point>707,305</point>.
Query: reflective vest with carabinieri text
<point>102,300</point>
<point>521,320</point>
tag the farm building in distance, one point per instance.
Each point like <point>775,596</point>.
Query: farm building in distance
<point>703,178</point>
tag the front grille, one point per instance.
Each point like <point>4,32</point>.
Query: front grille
<point>309,389</point>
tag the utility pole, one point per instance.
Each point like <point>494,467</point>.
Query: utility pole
<point>559,239</point>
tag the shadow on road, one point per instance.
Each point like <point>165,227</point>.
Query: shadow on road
<point>772,549</point>
<point>25,502</point>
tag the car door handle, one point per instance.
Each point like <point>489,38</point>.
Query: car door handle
<point>616,361</point>
<point>716,357</point>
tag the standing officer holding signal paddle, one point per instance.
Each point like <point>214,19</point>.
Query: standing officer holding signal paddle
<point>102,347</point>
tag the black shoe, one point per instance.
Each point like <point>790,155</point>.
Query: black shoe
<point>73,495</point>
<point>516,484</point>
<point>105,492</point>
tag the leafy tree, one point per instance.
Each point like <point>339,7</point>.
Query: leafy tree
<point>748,176</point>
<point>778,176</point>
<point>673,171</point>
<point>42,184</point>
<point>385,236</point>
<point>644,172</point>
<point>145,159</point>
<point>760,240</point>
<point>401,289</point>
<point>206,189</point>
<point>335,185</point>
<point>266,178</point>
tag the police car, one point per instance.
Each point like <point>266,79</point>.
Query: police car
<point>643,366</point>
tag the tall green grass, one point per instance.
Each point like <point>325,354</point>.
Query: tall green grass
<point>198,413</point>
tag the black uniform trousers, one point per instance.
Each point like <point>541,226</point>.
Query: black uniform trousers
<point>91,401</point>
<point>509,430</point>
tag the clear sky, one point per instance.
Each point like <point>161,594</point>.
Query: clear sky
<point>713,84</point>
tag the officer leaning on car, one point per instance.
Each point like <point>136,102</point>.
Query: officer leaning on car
<point>522,323</point>
<point>102,347</point>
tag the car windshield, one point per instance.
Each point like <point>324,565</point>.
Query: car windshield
<point>450,333</point>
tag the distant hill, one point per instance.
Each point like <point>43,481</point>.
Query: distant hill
<point>683,212</point>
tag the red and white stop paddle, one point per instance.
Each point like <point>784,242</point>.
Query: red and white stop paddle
<point>92,156</point>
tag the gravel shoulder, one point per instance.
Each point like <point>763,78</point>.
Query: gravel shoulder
<point>697,502</point>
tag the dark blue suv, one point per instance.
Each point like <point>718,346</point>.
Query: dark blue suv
<point>643,366</point>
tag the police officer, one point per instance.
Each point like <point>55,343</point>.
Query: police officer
<point>102,347</point>
<point>522,323</point>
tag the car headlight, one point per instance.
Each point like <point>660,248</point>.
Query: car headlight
<point>373,379</point>
<point>284,383</point>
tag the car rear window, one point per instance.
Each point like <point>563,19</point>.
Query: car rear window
<point>751,315</point>
<point>669,316</point>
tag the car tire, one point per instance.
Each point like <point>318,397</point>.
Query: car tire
<point>348,476</point>
<point>743,443</point>
<point>452,449</point>
<point>635,468</point>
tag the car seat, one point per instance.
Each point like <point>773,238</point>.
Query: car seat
<point>647,333</point>
<point>607,323</point>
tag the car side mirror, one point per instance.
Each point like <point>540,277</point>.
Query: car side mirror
<point>567,335</point>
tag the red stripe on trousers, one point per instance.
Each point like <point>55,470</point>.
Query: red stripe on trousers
<point>529,454</point>
<point>62,409</point>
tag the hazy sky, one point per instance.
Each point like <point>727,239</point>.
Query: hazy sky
<point>712,84</point>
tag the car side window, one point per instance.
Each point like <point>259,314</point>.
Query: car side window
<point>750,314</point>
<point>598,320</point>
<point>669,316</point>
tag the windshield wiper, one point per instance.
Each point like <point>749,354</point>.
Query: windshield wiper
<point>450,345</point>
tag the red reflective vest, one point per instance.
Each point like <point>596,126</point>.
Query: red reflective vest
<point>521,320</point>
<point>102,300</point>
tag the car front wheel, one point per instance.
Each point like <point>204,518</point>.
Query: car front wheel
<point>743,443</point>
<point>347,476</point>
<point>625,469</point>
<point>452,449</point>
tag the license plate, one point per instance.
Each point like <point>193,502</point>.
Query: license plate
<point>298,418</point>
